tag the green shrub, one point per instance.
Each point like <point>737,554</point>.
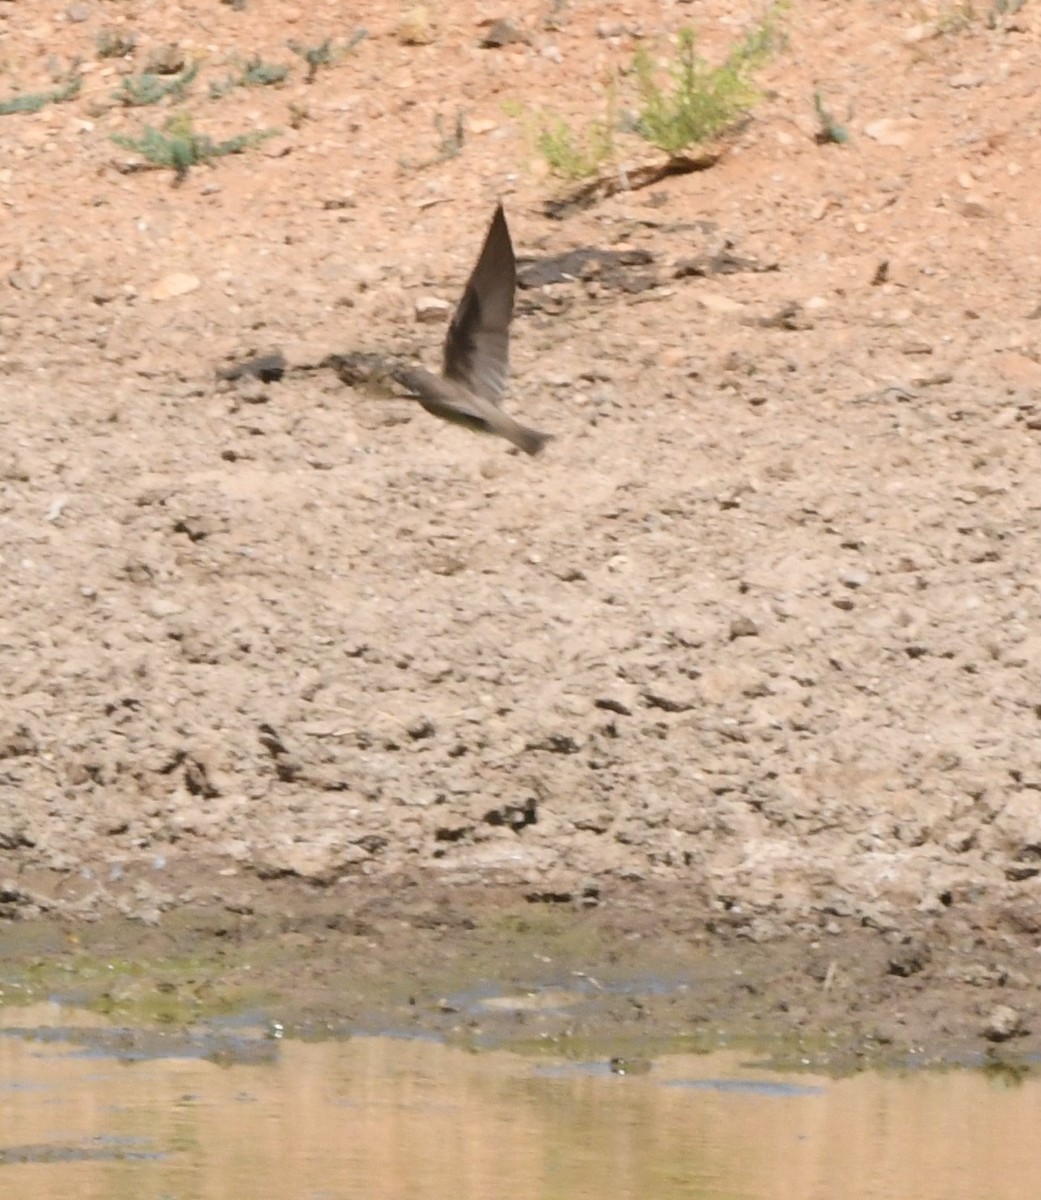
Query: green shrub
<point>31,102</point>
<point>135,91</point>
<point>178,147</point>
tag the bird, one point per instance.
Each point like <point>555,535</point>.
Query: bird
<point>470,388</point>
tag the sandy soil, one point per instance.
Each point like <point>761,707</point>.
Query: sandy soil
<point>747,664</point>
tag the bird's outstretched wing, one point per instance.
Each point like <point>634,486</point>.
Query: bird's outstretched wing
<point>477,348</point>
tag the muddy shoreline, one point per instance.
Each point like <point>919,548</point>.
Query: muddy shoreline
<point>629,973</point>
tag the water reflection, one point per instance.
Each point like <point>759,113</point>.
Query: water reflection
<point>94,1113</point>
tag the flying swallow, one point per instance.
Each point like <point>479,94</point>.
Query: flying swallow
<point>470,388</point>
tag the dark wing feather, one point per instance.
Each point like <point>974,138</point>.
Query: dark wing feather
<point>477,348</point>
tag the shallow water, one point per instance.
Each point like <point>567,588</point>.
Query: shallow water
<point>96,1113</point>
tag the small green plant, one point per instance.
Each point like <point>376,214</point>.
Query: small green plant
<point>255,73</point>
<point>136,91</point>
<point>178,147</point>
<point>699,101</point>
<point>451,140</point>
<point>1002,8</point>
<point>314,56</point>
<point>450,143</point>
<point>572,154</point>
<point>828,129</point>
<point>954,18</point>
<point>31,102</point>
<point>113,43</point>
<point>325,53</point>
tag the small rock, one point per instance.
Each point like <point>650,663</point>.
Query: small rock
<point>973,206</point>
<point>743,627</point>
<point>28,279</point>
<point>278,147</point>
<point>177,283</point>
<point>269,367</point>
<point>415,27</point>
<point>57,507</point>
<point>77,13</point>
<point>430,310</point>
<point>888,131</point>
<point>966,79</point>
<point>719,304</point>
<point>251,390</point>
<point>166,60</point>
<point>672,704</point>
<point>909,960</point>
<point>504,33</point>
<point>1002,1024</point>
<point>918,33</point>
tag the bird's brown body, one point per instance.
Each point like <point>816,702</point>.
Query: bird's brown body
<point>451,401</point>
<point>476,353</point>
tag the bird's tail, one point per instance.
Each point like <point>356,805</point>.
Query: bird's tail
<point>528,440</point>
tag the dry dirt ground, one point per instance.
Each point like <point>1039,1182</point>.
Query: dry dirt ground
<point>744,670</point>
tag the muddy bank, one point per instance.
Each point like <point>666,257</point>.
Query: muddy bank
<point>630,972</point>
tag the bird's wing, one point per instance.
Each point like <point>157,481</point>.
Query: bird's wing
<point>477,348</point>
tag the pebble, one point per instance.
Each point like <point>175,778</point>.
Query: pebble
<point>743,627</point>
<point>251,390</point>
<point>504,33</point>
<point>28,279</point>
<point>1003,1023</point>
<point>166,60</point>
<point>713,302</point>
<point>888,131</point>
<point>431,310</point>
<point>973,206</point>
<point>177,283</point>
<point>415,28</point>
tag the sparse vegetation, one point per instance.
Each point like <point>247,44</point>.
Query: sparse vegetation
<point>326,53</point>
<point>136,91</point>
<point>699,101</point>
<point>575,155</point>
<point>31,102</point>
<point>315,56</point>
<point>255,73</point>
<point>450,143</point>
<point>113,43</point>
<point>1002,8</point>
<point>693,103</point>
<point>828,129</point>
<point>178,147</point>
<point>960,15</point>
<point>954,18</point>
<point>298,114</point>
